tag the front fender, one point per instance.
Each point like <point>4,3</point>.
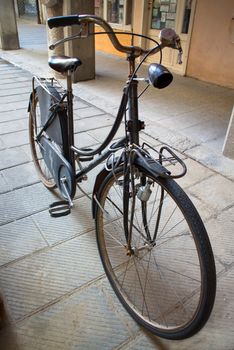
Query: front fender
<point>99,180</point>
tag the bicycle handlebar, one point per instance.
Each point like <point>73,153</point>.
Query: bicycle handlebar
<point>63,21</point>
<point>136,51</point>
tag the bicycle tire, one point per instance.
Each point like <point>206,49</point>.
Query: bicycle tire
<point>34,128</point>
<point>163,286</point>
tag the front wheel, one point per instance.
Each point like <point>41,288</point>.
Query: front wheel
<point>167,279</point>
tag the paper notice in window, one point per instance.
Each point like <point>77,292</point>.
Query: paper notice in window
<point>164,8</point>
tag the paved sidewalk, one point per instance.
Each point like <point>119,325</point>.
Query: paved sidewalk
<point>51,279</point>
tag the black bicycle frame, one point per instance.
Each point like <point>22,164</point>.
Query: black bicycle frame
<point>130,97</point>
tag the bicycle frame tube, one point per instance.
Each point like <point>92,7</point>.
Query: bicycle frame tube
<point>100,159</point>
<point>133,104</point>
<point>70,119</point>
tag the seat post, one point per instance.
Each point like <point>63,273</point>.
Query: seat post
<point>70,117</point>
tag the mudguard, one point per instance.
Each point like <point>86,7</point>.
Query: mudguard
<point>57,130</point>
<point>99,180</point>
<point>151,166</point>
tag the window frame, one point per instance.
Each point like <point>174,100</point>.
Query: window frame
<point>122,26</point>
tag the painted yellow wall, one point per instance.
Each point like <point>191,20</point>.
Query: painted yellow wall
<point>211,54</point>
<point>103,43</point>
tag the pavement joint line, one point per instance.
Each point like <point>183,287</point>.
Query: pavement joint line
<point>94,115</point>
<point>13,120</point>
<point>14,166</point>
<point>15,94</point>
<point>40,230</point>
<point>13,110</point>
<point>225,265</point>
<point>44,249</point>
<point>135,336</point>
<point>20,81</point>
<point>20,187</point>
<point>12,132</point>
<point>61,298</point>
<point>112,306</point>
<point>221,274</point>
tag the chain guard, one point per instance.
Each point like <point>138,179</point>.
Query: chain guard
<point>58,166</point>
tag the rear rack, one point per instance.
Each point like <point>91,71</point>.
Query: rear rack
<point>45,82</point>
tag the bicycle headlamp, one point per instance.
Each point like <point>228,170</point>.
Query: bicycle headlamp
<point>159,76</point>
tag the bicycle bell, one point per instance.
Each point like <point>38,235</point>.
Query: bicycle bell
<point>159,76</point>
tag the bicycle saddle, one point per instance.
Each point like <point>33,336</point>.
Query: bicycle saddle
<point>63,64</point>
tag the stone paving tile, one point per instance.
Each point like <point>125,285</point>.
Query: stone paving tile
<point>27,150</point>
<point>13,115</point>
<point>89,111</point>
<point>5,107</point>
<point>213,160</point>
<point>62,228</point>
<point>12,157</point>
<point>14,126</point>
<point>17,85</point>
<point>12,92</point>
<point>24,202</point>
<point>101,134</point>
<point>82,139</point>
<point>20,97</point>
<point>85,317</point>
<point>28,175</point>
<point>221,233</point>
<point>115,304</point>
<point>17,79</point>
<point>195,173</point>
<point>18,239</point>
<point>15,139</point>
<point>4,185</point>
<point>93,123</point>
<point>42,278</point>
<point>216,192</point>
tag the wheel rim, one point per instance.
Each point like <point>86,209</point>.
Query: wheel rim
<point>34,128</point>
<point>161,284</point>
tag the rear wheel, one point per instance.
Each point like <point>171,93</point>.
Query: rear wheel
<point>34,128</point>
<point>167,279</point>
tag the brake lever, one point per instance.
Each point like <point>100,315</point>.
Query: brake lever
<point>179,48</point>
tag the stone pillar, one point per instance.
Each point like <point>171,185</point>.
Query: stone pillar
<point>8,27</point>
<point>54,8</point>
<point>84,49</point>
<point>228,147</point>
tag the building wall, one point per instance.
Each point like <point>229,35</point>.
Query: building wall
<point>103,43</point>
<point>211,54</point>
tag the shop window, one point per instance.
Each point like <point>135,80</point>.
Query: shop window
<point>163,14</point>
<point>98,8</point>
<point>186,19</point>
<point>114,11</point>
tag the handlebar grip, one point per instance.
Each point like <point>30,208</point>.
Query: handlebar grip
<point>63,21</point>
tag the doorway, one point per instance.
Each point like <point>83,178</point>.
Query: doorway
<point>175,14</point>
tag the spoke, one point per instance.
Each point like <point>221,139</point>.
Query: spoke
<point>114,238</point>
<point>171,288</point>
<point>180,274</point>
<point>142,291</point>
<point>161,235</point>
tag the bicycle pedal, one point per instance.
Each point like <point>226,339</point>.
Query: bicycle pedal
<point>60,208</point>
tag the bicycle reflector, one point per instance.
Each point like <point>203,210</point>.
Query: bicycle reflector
<point>159,76</point>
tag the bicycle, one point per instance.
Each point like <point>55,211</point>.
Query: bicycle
<point>152,242</point>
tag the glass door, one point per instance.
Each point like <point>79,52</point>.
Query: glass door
<point>175,14</point>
